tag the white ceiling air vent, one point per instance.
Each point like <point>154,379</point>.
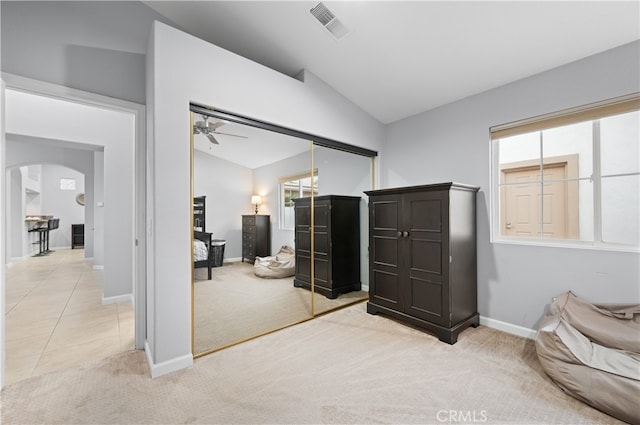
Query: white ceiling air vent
<point>329,21</point>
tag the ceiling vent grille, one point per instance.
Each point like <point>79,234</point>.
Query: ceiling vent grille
<point>329,21</point>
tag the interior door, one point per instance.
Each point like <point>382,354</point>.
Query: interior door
<point>426,230</point>
<point>523,203</point>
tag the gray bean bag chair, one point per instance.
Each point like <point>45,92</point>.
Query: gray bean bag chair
<point>276,266</point>
<point>592,352</point>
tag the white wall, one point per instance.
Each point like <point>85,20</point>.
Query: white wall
<point>236,85</point>
<point>60,203</point>
<point>228,188</point>
<point>451,143</point>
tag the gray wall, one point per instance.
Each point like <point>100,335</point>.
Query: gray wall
<point>451,143</point>
<point>228,188</point>
<point>94,46</point>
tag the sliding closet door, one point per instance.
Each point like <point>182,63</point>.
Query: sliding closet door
<point>243,191</point>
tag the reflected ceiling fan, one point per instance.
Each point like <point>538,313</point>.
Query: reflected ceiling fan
<point>209,129</point>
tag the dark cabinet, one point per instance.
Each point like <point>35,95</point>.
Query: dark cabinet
<point>336,244</point>
<point>199,213</point>
<point>77,235</point>
<point>256,236</point>
<point>422,263</point>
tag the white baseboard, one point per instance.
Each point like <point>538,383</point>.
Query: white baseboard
<point>117,299</point>
<point>98,267</point>
<point>232,260</point>
<point>508,327</point>
<point>159,369</point>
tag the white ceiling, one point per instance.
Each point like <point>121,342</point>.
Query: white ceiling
<point>403,58</point>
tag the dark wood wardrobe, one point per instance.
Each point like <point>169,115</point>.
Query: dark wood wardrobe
<point>422,256</point>
<point>336,244</point>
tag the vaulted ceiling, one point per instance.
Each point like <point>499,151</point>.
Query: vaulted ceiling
<point>401,58</point>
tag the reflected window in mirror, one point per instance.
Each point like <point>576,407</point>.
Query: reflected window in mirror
<point>293,187</point>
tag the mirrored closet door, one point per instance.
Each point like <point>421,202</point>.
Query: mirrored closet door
<point>254,269</point>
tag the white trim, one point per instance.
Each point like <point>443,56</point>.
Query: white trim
<point>159,369</point>
<point>508,327</point>
<point>117,299</point>
<point>98,267</point>
<point>556,243</point>
<point>43,88</point>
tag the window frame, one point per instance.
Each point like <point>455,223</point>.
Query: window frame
<point>281,196</point>
<point>591,112</point>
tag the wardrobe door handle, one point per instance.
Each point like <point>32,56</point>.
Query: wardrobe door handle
<point>399,234</point>
<point>405,234</point>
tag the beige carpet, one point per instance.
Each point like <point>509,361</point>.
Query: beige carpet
<point>236,304</point>
<point>344,367</point>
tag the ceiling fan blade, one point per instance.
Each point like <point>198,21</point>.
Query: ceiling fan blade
<point>212,139</point>
<point>229,134</point>
<point>214,125</point>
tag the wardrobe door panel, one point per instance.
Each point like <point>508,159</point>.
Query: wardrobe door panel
<point>387,290</point>
<point>321,243</point>
<point>385,251</point>
<point>426,256</point>
<point>385,242</point>
<point>425,215</point>
<point>303,268</point>
<point>386,214</point>
<point>321,272</point>
<point>426,299</point>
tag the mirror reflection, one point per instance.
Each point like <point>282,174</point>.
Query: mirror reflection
<point>252,257</point>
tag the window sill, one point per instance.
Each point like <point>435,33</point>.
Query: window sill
<point>566,244</point>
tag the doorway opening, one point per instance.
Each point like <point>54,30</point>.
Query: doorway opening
<point>120,206</point>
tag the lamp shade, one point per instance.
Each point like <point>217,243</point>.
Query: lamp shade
<point>256,200</point>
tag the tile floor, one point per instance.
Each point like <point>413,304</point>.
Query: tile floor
<point>55,318</point>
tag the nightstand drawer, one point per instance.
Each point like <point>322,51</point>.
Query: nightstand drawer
<point>249,220</point>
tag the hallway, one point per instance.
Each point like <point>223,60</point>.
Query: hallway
<point>55,318</point>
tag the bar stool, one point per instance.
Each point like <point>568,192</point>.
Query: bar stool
<point>52,224</point>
